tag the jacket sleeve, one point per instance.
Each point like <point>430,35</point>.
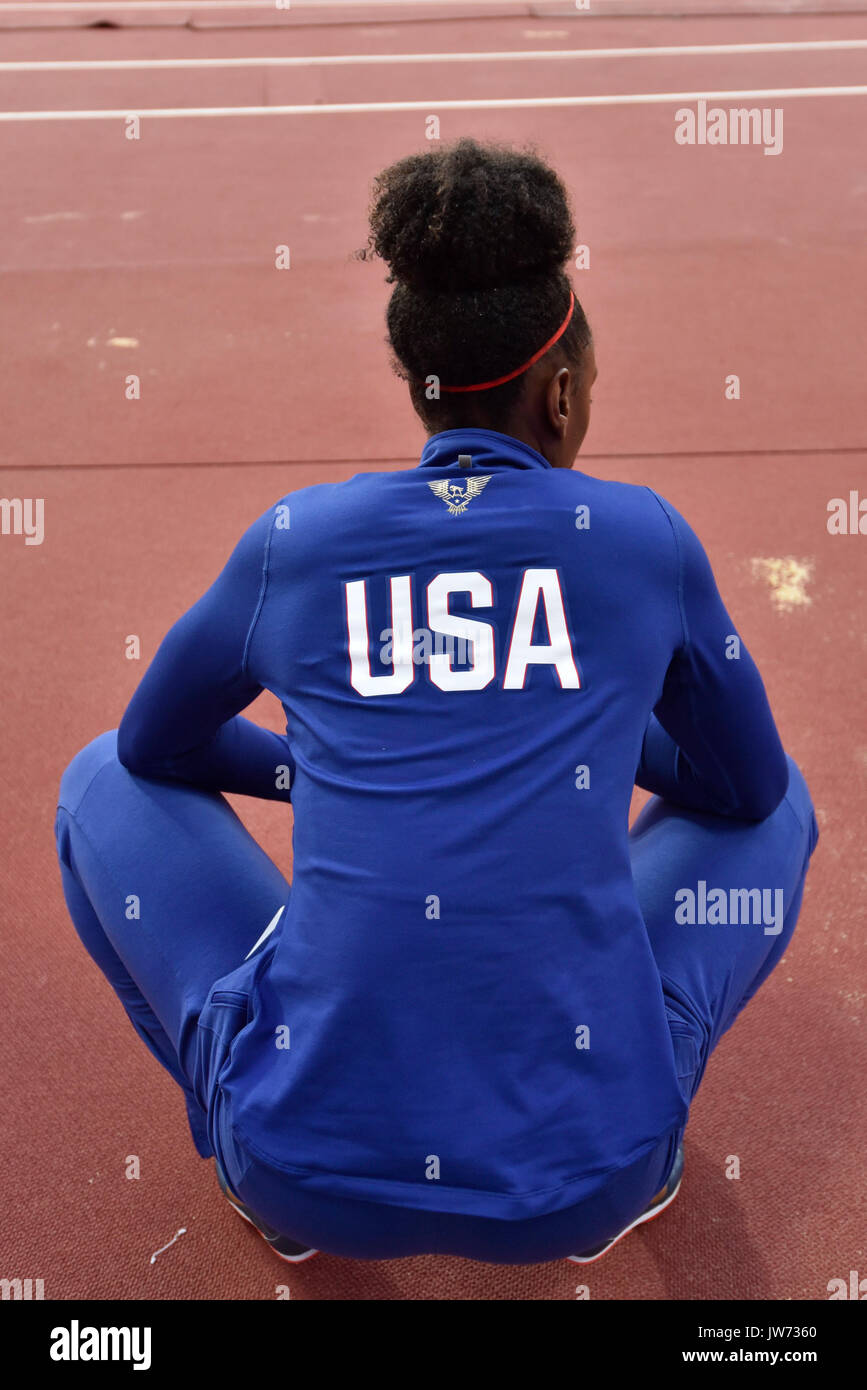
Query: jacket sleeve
<point>711,743</point>
<point>183,723</point>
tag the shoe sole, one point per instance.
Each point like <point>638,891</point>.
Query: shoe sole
<point>289,1259</point>
<point>639,1221</point>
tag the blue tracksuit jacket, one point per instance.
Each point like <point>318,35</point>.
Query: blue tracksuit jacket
<point>476,665</point>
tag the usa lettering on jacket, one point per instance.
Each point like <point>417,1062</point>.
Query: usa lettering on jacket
<point>540,596</point>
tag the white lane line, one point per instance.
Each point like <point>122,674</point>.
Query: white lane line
<point>366,59</point>
<point>487,104</point>
<point>52,6</point>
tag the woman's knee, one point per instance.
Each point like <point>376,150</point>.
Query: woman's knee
<point>95,756</point>
<point>799,799</point>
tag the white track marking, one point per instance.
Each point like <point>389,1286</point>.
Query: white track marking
<point>486,104</point>
<point>266,933</point>
<point>181,1232</point>
<point>56,217</point>
<point>53,6</point>
<point>538,55</point>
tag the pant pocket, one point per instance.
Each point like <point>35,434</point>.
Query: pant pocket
<point>225,1014</point>
<point>687,1053</point>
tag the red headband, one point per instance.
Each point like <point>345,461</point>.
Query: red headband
<point>501,380</point>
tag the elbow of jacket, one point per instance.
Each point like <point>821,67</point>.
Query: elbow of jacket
<point>129,755</point>
<point>764,800</point>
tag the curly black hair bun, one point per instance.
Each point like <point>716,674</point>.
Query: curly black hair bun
<point>478,238</point>
<point>470,217</point>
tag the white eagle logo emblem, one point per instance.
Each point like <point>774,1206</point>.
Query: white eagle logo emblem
<point>456,497</point>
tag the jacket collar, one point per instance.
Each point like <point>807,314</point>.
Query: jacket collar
<point>487,447</point>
